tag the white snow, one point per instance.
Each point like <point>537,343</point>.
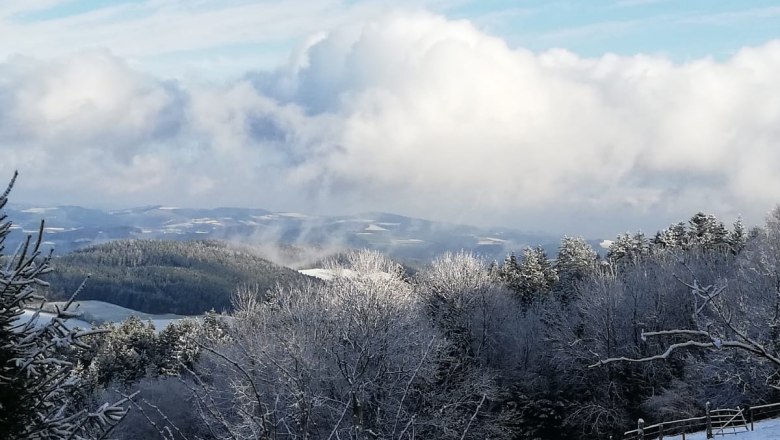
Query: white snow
<point>44,318</point>
<point>605,244</point>
<point>206,221</point>
<point>356,220</point>
<point>37,210</point>
<point>489,241</point>
<point>323,274</point>
<point>329,274</point>
<point>373,227</point>
<point>103,311</point>
<point>167,208</point>
<point>99,312</point>
<point>764,430</point>
<point>264,217</point>
<point>407,241</point>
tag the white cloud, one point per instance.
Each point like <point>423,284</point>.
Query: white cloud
<point>416,114</point>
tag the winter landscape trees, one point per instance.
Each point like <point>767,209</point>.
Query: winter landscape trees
<point>37,380</point>
<point>531,348</point>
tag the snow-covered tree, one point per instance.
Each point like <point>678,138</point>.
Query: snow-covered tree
<point>37,380</point>
<point>126,353</point>
<point>537,275</point>
<point>707,231</point>
<point>575,262</point>
<point>673,237</point>
<point>731,301</point>
<point>628,248</point>
<point>352,357</point>
<point>738,236</point>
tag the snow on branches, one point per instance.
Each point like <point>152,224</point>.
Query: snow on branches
<point>713,318</point>
<point>37,381</point>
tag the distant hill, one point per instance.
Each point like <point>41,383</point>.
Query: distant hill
<point>157,276</point>
<point>70,227</point>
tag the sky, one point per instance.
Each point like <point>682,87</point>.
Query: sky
<point>581,117</point>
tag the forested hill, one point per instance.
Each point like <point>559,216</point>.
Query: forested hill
<point>155,276</point>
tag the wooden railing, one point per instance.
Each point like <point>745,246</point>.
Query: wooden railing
<point>672,428</point>
<point>716,422</point>
<point>762,412</point>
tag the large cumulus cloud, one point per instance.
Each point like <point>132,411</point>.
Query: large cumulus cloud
<point>416,114</point>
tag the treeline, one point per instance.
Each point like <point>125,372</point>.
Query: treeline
<point>467,349</point>
<point>535,275</point>
<point>155,276</point>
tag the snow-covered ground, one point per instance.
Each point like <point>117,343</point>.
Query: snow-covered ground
<point>101,312</point>
<point>764,430</point>
<point>326,274</point>
<point>329,274</point>
<point>44,318</point>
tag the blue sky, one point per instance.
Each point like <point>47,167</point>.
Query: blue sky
<point>582,117</point>
<point>680,30</point>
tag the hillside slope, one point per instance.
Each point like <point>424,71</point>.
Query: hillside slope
<point>155,276</point>
<point>71,227</point>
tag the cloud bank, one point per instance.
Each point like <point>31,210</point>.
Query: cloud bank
<point>415,114</point>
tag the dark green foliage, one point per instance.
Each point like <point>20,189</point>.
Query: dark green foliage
<point>532,278</point>
<point>627,249</point>
<point>165,276</point>
<point>538,417</point>
<point>738,237</point>
<point>576,262</point>
<point>703,231</point>
<point>38,382</point>
<point>132,350</point>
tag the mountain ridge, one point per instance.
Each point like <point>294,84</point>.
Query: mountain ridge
<point>71,227</point>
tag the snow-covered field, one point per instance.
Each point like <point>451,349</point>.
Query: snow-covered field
<point>44,318</point>
<point>323,274</point>
<point>329,274</point>
<point>100,312</point>
<point>764,430</point>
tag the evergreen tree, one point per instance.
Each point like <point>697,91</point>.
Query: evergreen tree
<point>510,272</point>
<point>536,275</point>
<point>706,231</point>
<point>680,234</point>
<point>576,260</point>
<point>37,381</point>
<point>738,236</point>
<point>628,248</point>
<point>663,240</point>
<point>676,236</point>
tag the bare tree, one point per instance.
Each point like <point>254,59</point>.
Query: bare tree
<point>354,357</point>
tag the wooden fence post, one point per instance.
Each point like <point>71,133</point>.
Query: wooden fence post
<point>709,420</point>
<point>660,431</point>
<point>750,416</point>
<point>640,427</point>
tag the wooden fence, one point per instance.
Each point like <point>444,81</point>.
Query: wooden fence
<point>716,422</point>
